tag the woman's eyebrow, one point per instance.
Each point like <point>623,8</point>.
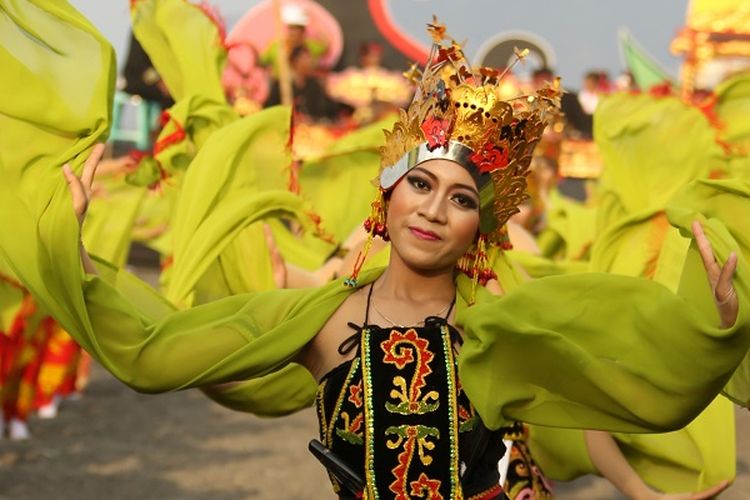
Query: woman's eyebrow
<point>458,184</point>
<point>466,186</point>
<point>427,173</point>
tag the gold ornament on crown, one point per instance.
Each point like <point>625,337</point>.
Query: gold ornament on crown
<point>455,103</point>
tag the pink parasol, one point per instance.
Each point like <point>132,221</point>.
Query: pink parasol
<point>256,28</point>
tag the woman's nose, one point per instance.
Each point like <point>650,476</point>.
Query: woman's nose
<point>433,208</point>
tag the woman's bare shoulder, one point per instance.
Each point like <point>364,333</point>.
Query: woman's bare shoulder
<point>321,354</point>
<point>351,310</point>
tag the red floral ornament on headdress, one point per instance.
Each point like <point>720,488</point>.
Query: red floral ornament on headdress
<point>436,132</point>
<point>490,158</point>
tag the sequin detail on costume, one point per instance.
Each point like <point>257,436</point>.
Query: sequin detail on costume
<point>410,410</point>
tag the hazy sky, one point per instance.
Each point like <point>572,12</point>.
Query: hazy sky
<point>583,33</point>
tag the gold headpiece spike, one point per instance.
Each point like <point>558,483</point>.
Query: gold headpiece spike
<point>520,55</point>
<point>436,30</point>
<point>413,74</point>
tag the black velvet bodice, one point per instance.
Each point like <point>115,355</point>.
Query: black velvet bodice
<point>396,414</point>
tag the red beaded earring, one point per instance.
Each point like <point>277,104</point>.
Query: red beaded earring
<point>375,226</point>
<point>475,263</point>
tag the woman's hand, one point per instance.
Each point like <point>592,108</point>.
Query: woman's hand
<point>701,495</point>
<point>720,278</point>
<point>80,187</point>
<point>608,459</point>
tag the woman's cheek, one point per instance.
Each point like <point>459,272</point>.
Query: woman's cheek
<point>467,224</point>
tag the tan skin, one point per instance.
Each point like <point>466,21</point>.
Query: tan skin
<point>432,219</point>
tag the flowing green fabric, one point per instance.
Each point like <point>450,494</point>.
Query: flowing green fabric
<point>56,94</point>
<point>216,220</point>
<point>152,221</point>
<point>635,239</point>
<point>10,301</point>
<point>111,218</point>
<point>641,175</point>
<point>226,189</point>
<point>347,168</point>
<point>722,200</point>
<point>10,298</point>
<point>637,381</point>
<point>574,222</point>
<point>184,44</point>
<point>560,322</point>
<point>186,47</point>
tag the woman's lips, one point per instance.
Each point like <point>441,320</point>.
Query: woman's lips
<point>423,234</point>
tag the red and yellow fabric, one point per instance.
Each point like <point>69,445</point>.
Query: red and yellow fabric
<point>58,367</point>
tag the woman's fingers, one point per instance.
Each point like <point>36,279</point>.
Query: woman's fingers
<point>76,191</point>
<point>724,289</point>
<point>89,167</point>
<point>711,492</point>
<point>719,277</point>
<point>80,187</point>
<point>707,253</point>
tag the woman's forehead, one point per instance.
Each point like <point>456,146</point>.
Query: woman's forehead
<point>448,171</point>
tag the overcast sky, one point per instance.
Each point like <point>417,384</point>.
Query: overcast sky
<point>582,33</point>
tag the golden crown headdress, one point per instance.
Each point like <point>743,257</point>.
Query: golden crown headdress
<point>458,113</point>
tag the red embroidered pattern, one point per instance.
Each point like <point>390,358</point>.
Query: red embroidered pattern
<point>402,356</point>
<point>355,394</point>
<point>489,494</point>
<point>351,432</point>
<point>413,437</point>
<point>423,485</point>
<point>398,486</point>
<point>411,399</point>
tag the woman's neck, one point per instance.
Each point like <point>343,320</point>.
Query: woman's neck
<point>403,283</point>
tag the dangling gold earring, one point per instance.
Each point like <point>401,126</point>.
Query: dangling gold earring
<point>475,263</point>
<point>375,226</point>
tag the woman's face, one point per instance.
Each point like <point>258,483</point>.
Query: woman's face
<point>433,215</point>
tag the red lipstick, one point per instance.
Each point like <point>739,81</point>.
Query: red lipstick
<point>423,234</point>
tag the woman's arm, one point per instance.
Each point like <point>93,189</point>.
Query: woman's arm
<point>611,463</point>
<point>145,342</point>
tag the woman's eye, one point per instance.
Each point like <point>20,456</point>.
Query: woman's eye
<point>465,201</point>
<point>418,183</point>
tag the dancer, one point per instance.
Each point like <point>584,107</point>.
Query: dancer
<point>509,343</point>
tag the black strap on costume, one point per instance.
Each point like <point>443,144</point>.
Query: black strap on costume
<point>352,341</point>
<point>369,299</point>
